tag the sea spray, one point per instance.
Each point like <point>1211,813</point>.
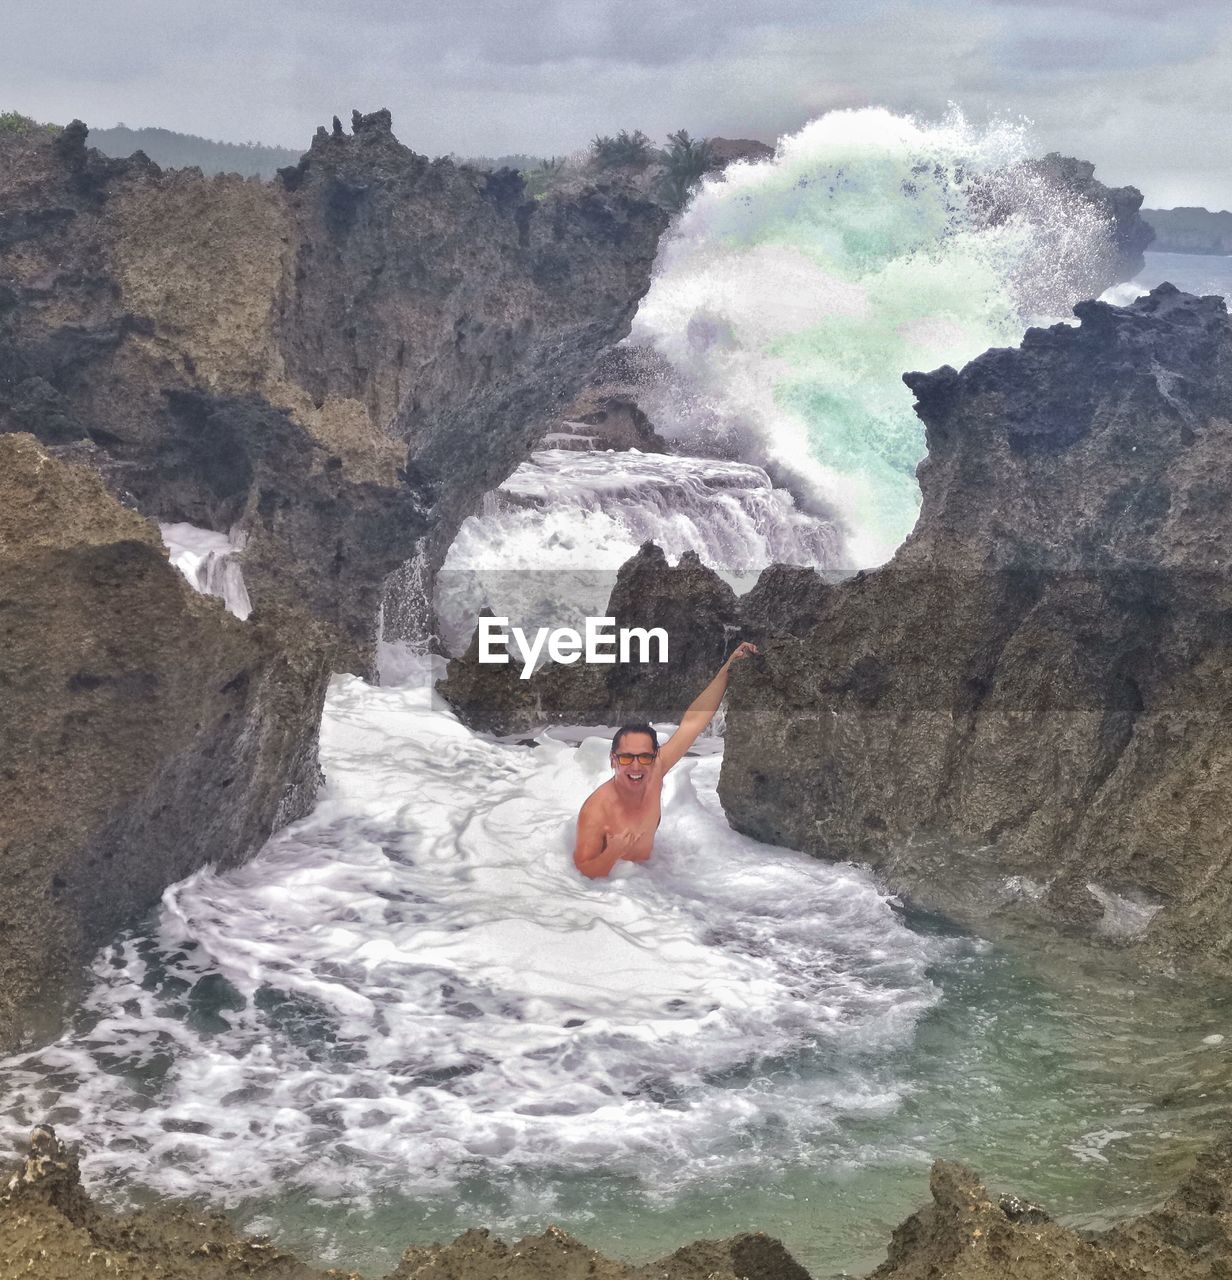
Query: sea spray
<point>794,293</point>
<point>412,988</point>
<point>211,563</point>
<point>546,546</point>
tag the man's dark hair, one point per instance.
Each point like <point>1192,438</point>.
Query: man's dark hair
<point>634,728</point>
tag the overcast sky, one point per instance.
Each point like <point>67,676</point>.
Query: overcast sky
<point>1138,86</point>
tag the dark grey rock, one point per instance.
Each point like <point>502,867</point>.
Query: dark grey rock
<point>1035,685</point>
<point>691,603</point>
<point>146,731</point>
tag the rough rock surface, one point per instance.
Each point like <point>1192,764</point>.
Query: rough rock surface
<point>146,731</point>
<point>554,1255</point>
<point>691,603</point>
<point>1037,684</point>
<point>725,151</point>
<point>337,365</point>
<point>966,1234</point>
<point>606,413</point>
<point>1131,233</point>
<point>341,362</point>
<point>604,417</point>
<point>786,600</point>
<point>50,1230</point>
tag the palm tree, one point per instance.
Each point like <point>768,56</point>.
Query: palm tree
<point>687,160</point>
<point>625,151</point>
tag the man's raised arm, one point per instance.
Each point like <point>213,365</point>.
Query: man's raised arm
<point>701,711</point>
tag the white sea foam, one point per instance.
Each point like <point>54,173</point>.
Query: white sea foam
<point>1123,917</point>
<point>429,990</point>
<point>1122,295</point>
<point>546,546</point>
<point>794,293</point>
<point>209,561</point>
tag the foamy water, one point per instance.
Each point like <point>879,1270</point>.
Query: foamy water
<point>793,294</point>
<point>546,546</point>
<point>414,985</point>
<point>210,562</point>
<point>409,1014</point>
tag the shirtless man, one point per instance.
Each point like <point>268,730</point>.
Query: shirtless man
<point>620,818</point>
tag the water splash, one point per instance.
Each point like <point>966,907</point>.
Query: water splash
<point>794,293</point>
<point>405,620</point>
<point>412,987</point>
<point>210,562</point>
<point>546,546</point>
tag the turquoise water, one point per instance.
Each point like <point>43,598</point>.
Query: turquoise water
<point>1081,1084</point>
<point>794,293</point>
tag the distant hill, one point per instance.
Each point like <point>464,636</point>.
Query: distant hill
<point>1187,230</point>
<point>181,150</point>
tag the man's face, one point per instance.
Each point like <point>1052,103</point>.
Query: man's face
<point>637,773</point>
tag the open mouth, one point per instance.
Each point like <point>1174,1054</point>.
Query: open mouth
<point>635,777</point>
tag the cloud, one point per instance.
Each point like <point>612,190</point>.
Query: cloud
<point>1139,92</point>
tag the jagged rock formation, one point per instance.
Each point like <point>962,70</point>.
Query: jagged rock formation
<point>555,1255</point>
<point>691,603</point>
<point>50,1230</point>
<point>1037,684</point>
<point>1120,205</point>
<point>966,1234</point>
<point>341,363</point>
<point>604,417</point>
<point>146,730</point>
<point>337,365</point>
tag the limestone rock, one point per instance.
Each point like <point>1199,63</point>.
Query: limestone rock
<point>691,603</point>
<point>966,1234</point>
<point>146,731</point>
<point>340,363</point>
<point>50,1230</point>
<point>725,151</point>
<point>1036,684</point>
<point>337,366</point>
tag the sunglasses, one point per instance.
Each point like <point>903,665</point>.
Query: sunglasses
<point>627,757</point>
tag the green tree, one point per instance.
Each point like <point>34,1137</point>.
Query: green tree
<point>686,161</point>
<point>625,151</point>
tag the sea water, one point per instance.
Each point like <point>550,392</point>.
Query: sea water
<point>1197,273</point>
<point>546,547</point>
<point>793,294</point>
<point>409,1015</point>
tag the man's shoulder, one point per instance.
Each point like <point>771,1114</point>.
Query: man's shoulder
<point>599,798</point>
